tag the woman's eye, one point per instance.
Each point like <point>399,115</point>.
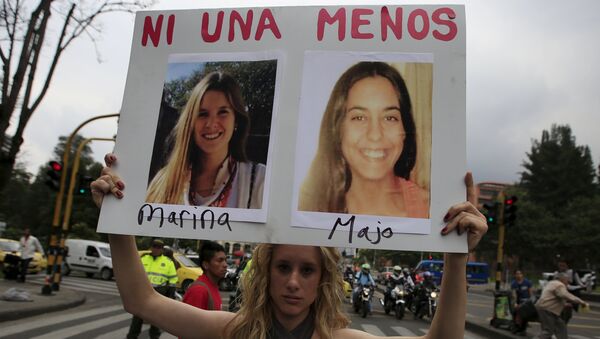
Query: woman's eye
<point>203,114</point>
<point>392,118</point>
<point>283,268</point>
<point>307,270</point>
<point>358,118</point>
<point>224,112</point>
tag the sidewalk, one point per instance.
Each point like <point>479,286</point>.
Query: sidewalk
<point>59,300</point>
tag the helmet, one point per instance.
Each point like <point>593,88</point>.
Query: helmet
<point>427,275</point>
<point>365,267</point>
<point>406,270</point>
<point>397,269</point>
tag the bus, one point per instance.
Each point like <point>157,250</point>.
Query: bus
<point>477,272</point>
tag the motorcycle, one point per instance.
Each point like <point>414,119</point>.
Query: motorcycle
<point>425,304</point>
<point>230,281</point>
<point>363,302</point>
<point>394,300</point>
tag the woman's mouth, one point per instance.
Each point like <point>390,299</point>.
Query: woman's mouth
<point>290,299</point>
<point>373,153</point>
<point>212,136</point>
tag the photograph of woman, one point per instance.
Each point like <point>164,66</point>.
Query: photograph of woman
<point>368,148</point>
<point>208,163</point>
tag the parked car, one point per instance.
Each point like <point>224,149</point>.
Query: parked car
<point>88,256</point>
<point>36,265</point>
<point>187,272</point>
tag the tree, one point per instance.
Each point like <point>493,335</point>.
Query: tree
<point>25,203</point>
<point>558,204</point>
<point>26,32</point>
<point>558,170</point>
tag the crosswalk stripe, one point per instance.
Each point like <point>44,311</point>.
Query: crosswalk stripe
<point>84,289</point>
<point>403,331</point>
<point>90,288</point>
<point>372,329</point>
<point>46,321</point>
<point>575,336</point>
<point>73,330</point>
<point>122,333</point>
<point>424,330</point>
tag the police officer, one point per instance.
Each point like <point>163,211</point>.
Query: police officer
<point>161,273</point>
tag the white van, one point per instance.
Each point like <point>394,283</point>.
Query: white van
<point>90,257</point>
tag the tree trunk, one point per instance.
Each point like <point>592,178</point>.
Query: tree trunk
<point>6,168</point>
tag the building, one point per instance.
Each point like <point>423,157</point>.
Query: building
<point>487,192</point>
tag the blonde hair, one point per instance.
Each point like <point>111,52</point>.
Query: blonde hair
<point>169,183</point>
<point>254,319</point>
<point>329,178</point>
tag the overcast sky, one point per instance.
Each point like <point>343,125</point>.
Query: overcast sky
<point>530,64</point>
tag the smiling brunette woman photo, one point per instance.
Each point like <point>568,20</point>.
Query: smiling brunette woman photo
<point>290,290</point>
<point>367,148</point>
<point>208,164</point>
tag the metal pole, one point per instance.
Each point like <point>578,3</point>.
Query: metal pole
<point>53,248</point>
<point>500,254</point>
<point>68,208</point>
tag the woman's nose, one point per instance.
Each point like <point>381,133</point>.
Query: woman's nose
<point>375,130</point>
<point>210,122</point>
<point>293,282</point>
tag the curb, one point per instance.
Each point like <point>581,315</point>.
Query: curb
<point>16,314</point>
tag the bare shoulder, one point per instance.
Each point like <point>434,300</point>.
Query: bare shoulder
<point>348,333</point>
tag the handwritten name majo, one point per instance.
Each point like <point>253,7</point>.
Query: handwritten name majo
<point>363,232</point>
<point>420,24</point>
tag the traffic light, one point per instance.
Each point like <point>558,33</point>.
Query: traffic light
<point>491,212</point>
<point>53,173</point>
<point>510,211</point>
<point>84,184</point>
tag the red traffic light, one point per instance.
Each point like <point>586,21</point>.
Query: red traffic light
<point>55,165</point>
<point>510,201</point>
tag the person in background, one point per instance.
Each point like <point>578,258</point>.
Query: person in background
<point>522,291</point>
<point>204,292</point>
<point>363,278</point>
<point>550,305</point>
<point>161,273</point>
<point>28,245</point>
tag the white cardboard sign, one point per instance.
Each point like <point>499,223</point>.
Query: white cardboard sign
<point>338,126</point>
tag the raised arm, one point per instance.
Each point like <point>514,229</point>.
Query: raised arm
<point>449,319</point>
<point>138,296</point>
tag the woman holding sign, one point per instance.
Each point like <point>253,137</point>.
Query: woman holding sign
<point>208,165</point>
<point>292,290</point>
<point>367,148</point>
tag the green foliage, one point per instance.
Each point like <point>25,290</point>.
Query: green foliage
<point>558,170</point>
<point>27,201</point>
<point>558,208</point>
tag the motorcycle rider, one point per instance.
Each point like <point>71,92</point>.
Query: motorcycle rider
<point>397,278</point>
<point>408,281</point>
<point>422,289</point>
<point>349,275</point>
<point>363,278</point>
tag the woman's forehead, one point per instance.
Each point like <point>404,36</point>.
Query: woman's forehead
<point>297,253</point>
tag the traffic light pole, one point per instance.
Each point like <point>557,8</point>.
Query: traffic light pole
<point>68,208</point>
<point>500,252</point>
<point>54,251</point>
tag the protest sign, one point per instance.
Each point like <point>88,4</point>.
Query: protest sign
<point>338,126</point>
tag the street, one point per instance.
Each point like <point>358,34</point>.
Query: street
<point>102,316</point>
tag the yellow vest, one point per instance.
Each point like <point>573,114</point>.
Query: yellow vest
<point>161,271</point>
